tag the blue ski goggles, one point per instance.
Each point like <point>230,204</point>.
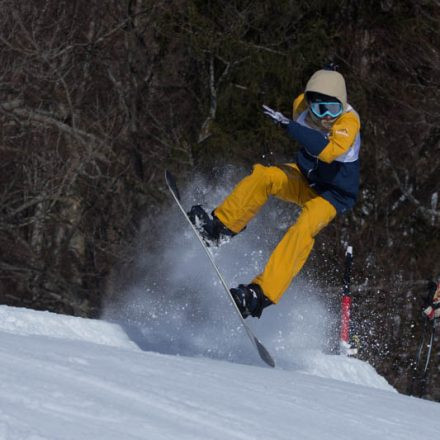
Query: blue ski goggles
<point>322,109</point>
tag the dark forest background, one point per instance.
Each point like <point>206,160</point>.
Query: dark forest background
<point>98,97</point>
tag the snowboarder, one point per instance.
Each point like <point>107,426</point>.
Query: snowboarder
<point>324,181</point>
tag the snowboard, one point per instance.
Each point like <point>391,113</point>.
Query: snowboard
<point>261,349</point>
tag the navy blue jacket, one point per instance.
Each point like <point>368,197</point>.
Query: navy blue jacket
<point>337,181</point>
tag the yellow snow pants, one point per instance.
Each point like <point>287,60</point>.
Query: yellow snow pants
<point>287,183</point>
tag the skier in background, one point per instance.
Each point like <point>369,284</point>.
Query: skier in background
<point>324,181</point>
<point>431,307</point>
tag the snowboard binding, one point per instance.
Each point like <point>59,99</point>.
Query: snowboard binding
<point>212,230</point>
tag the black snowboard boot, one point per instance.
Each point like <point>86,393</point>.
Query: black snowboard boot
<point>212,230</point>
<point>250,300</point>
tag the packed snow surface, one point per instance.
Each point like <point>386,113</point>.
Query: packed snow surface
<point>73,378</point>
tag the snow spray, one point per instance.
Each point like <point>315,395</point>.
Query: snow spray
<point>175,304</point>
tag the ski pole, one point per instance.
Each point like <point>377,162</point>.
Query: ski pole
<point>424,350</point>
<point>346,300</point>
<point>423,356</point>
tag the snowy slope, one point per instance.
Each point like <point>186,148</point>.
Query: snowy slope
<point>72,378</point>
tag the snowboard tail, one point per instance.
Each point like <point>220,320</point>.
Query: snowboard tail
<point>261,349</point>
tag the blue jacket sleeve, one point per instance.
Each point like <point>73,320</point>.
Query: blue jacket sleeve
<point>312,140</point>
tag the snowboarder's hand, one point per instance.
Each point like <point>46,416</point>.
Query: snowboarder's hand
<point>277,117</point>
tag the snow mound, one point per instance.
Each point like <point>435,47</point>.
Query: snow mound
<point>341,368</point>
<point>25,322</point>
<point>53,388</point>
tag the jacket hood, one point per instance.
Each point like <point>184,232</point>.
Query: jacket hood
<point>328,82</point>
